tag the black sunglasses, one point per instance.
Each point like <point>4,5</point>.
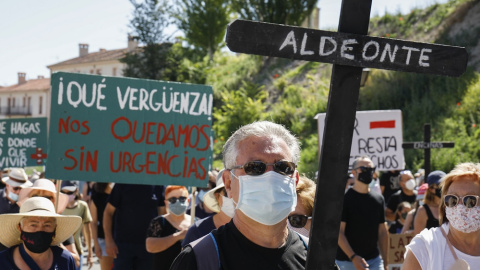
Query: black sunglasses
<point>259,167</point>
<point>469,201</point>
<point>298,221</point>
<point>68,192</point>
<point>16,188</point>
<point>366,169</point>
<point>174,199</point>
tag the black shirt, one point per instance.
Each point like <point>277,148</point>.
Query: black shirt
<point>239,253</point>
<point>391,183</point>
<point>399,197</point>
<point>160,227</point>
<point>362,213</point>
<point>432,222</point>
<point>100,200</point>
<point>135,206</point>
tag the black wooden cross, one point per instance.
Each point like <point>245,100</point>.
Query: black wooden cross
<point>349,50</point>
<point>426,145</point>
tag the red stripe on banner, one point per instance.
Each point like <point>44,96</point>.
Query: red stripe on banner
<point>382,124</point>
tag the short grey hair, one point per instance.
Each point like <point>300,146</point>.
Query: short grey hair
<point>362,158</point>
<point>259,129</point>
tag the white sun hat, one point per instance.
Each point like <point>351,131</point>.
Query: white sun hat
<point>47,185</point>
<point>37,207</point>
<point>17,178</point>
<point>209,199</point>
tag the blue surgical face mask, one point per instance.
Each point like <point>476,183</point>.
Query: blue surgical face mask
<point>266,198</point>
<point>201,194</point>
<point>178,208</point>
<point>12,196</point>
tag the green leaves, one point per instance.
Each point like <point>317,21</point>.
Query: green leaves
<point>203,22</point>
<point>239,107</point>
<point>290,12</point>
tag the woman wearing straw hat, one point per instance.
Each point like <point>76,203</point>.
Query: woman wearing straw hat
<point>33,235</point>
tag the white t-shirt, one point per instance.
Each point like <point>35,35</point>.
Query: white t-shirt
<point>432,252</point>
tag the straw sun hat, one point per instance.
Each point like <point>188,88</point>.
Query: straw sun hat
<point>209,199</point>
<point>37,207</point>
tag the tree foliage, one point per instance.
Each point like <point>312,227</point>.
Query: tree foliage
<point>239,107</point>
<point>148,62</point>
<point>150,20</point>
<point>291,12</point>
<point>203,22</point>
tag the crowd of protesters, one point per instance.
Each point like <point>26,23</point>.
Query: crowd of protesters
<point>256,213</point>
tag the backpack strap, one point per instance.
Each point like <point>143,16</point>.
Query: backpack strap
<point>206,252</point>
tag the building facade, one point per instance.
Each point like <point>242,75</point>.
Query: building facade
<point>26,98</point>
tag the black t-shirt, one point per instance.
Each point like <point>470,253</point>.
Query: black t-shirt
<point>362,213</point>
<point>399,197</point>
<point>100,200</point>
<point>160,227</point>
<point>239,253</point>
<point>135,206</point>
<point>199,229</point>
<point>391,182</point>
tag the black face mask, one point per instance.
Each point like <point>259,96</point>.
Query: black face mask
<point>37,242</point>
<point>366,176</point>
<point>438,192</point>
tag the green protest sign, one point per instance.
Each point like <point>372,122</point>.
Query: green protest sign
<point>127,130</point>
<point>23,142</point>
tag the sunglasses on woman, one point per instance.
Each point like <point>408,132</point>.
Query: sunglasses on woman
<point>469,201</point>
<point>259,167</point>
<point>174,199</point>
<point>298,221</point>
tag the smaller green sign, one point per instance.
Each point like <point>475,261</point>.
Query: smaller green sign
<point>23,142</point>
<point>124,130</point>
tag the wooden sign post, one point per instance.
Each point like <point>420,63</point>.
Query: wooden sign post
<point>349,50</point>
<point>426,145</point>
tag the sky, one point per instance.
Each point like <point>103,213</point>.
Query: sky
<point>35,34</point>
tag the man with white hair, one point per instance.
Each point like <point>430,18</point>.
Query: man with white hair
<point>260,176</point>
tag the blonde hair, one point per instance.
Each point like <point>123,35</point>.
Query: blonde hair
<point>306,189</point>
<point>468,169</point>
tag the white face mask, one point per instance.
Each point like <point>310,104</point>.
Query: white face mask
<point>410,184</point>
<point>464,219</point>
<point>228,207</point>
<point>266,198</point>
